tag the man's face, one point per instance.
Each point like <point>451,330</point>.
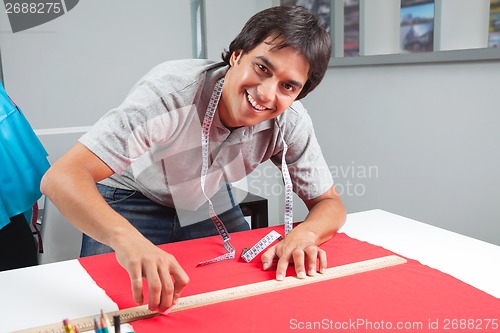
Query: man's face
<point>261,84</point>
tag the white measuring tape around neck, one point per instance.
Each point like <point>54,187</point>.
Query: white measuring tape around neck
<point>205,140</point>
<point>247,254</point>
<point>229,294</point>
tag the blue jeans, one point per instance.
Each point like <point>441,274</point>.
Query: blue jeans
<point>160,224</point>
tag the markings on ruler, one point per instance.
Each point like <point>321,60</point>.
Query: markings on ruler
<point>224,295</point>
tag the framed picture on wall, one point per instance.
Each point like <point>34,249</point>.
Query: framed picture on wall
<point>351,28</point>
<point>417,26</point>
<point>351,20</point>
<point>494,26</point>
<point>320,7</point>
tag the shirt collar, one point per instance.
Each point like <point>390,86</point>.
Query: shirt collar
<point>240,134</point>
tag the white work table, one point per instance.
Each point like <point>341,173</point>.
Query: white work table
<point>472,261</point>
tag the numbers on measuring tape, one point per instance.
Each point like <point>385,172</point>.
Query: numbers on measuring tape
<point>249,254</point>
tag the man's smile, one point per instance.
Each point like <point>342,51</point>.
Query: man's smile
<point>258,107</point>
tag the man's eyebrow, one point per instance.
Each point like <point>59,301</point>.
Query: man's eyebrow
<point>271,67</point>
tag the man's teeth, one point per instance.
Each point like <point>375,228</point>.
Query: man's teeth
<point>255,104</point>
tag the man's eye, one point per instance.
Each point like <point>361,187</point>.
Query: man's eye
<point>288,87</point>
<point>262,68</point>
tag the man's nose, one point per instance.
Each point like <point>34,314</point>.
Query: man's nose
<point>267,90</point>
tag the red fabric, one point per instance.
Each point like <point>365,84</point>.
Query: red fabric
<point>377,301</point>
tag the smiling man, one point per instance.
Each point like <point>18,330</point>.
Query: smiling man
<point>151,169</point>
<point>261,84</point>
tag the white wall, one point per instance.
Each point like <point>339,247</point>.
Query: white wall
<point>462,26</point>
<point>417,140</point>
<point>379,27</point>
<point>225,20</point>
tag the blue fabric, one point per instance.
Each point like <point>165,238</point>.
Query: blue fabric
<point>23,161</point>
<point>158,223</point>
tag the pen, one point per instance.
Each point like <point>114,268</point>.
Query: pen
<point>116,323</point>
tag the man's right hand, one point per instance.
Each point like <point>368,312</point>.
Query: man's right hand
<point>165,277</point>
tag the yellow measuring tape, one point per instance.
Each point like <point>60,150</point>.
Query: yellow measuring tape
<point>224,295</point>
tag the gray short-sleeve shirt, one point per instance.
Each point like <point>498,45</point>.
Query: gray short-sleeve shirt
<point>152,141</point>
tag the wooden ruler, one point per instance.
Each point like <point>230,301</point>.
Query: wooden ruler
<point>224,295</point>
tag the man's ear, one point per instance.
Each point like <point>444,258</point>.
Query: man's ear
<point>235,57</point>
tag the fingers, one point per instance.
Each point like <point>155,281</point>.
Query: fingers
<point>307,261</point>
<point>299,261</point>
<point>281,268</point>
<point>181,280</point>
<point>323,264</point>
<point>136,283</point>
<point>313,256</point>
<point>165,287</point>
<point>166,278</point>
<point>268,257</point>
<point>159,288</point>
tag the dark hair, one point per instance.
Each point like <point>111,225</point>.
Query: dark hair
<point>299,28</point>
